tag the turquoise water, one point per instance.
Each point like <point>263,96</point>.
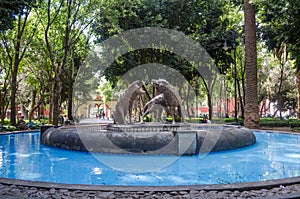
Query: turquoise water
<point>274,156</point>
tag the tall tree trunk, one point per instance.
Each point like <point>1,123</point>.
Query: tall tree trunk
<point>209,98</point>
<point>187,101</point>
<point>41,110</point>
<point>13,92</point>
<point>2,110</point>
<point>19,51</point>
<point>56,100</point>
<point>58,68</point>
<point>251,95</point>
<point>71,82</point>
<point>15,68</point>
<point>4,98</point>
<point>282,56</point>
<point>32,108</point>
<point>241,99</point>
<point>298,95</point>
<point>243,89</point>
<point>70,100</point>
<point>279,94</point>
<point>50,118</point>
<point>210,106</point>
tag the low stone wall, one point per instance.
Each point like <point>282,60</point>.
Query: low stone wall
<point>19,189</point>
<point>158,139</point>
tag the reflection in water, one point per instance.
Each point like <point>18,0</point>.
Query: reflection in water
<point>97,171</point>
<point>273,156</point>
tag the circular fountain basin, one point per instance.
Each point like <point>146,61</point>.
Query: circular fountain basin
<point>151,138</point>
<point>274,160</point>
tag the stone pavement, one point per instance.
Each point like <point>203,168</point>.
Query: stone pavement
<point>22,192</point>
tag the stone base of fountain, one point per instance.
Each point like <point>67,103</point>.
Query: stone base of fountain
<point>150,138</point>
<point>148,127</point>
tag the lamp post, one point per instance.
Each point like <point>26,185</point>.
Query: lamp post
<point>233,38</point>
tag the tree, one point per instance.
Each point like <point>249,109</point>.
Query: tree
<point>280,22</point>
<point>16,43</point>
<point>77,56</point>
<point>4,83</point>
<point>35,78</point>
<point>203,21</point>
<point>277,82</point>
<point>9,9</point>
<point>64,24</point>
<point>251,96</point>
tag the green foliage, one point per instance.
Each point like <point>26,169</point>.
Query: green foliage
<point>9,9</point>
<point>132,59</point>
<point>207,22</point>
<point>273,122</point>
<point>7,127</point>
<point>193,120</point>
<point>264,122</point>
<point>11,128</point>
<point>215,120</point>
<point>277,122</point>
<point>107,91</point>
<point>279,23</point>
<point>36,125</point>
<point>277,82</point>
<point>204,21</point>
<point>6,122</point>
<point>169,119</point>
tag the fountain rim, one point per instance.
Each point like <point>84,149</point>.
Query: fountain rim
<point>242,186</point>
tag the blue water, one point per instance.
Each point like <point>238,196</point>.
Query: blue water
<point>274,156</point>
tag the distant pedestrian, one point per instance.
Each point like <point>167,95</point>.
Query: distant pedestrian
<point>206,120</point>
<point>22,125</point>
<point>64,119</point>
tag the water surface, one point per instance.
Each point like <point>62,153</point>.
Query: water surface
<point>274,156</point>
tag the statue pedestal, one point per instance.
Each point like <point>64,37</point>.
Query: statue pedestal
<point>186,142</point>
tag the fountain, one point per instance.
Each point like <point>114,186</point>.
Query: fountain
<point>126,137</point>
<point>70,174</point>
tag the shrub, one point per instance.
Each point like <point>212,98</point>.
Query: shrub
<point>10,128</point>
<point>276,122</point>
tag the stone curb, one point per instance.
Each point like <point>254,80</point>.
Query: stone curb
<point>247,186</point>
